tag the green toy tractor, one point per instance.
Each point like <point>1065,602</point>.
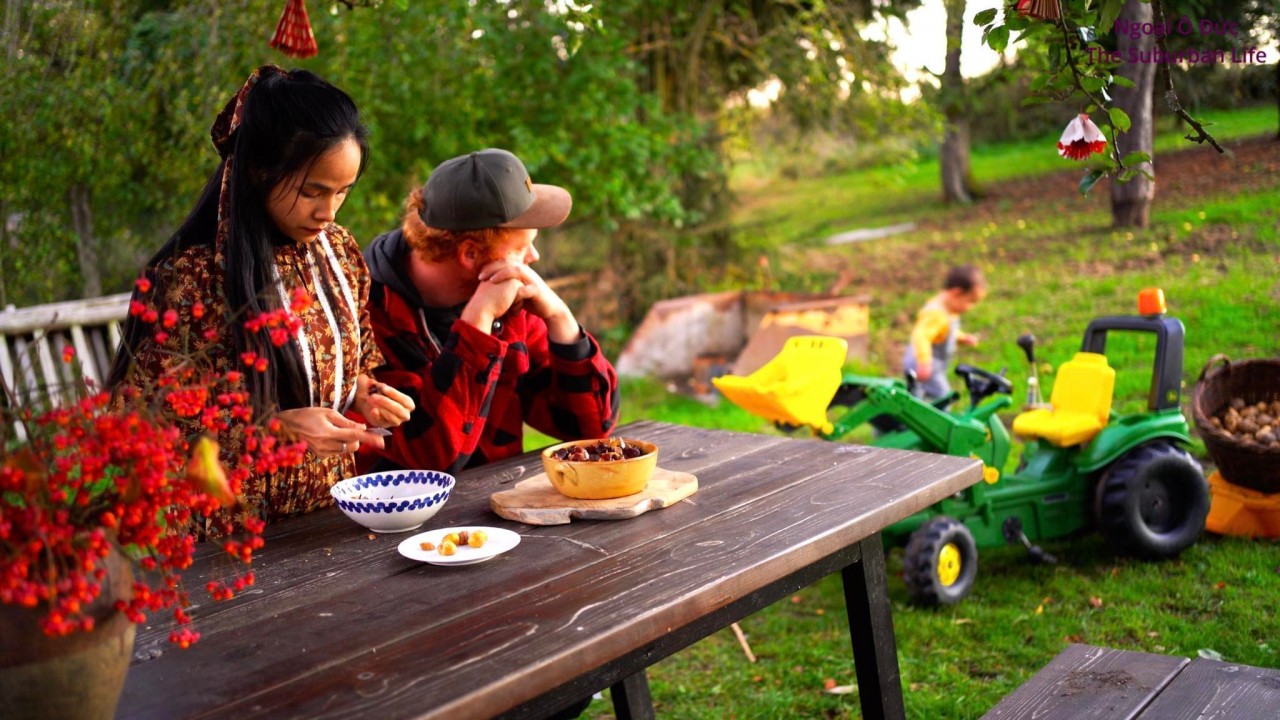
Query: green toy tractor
<point>1083,464</point>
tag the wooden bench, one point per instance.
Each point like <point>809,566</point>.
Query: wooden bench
<point>32,340</point>
<point>1084,681</point>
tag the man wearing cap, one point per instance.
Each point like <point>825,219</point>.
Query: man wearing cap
<point>471,332</point>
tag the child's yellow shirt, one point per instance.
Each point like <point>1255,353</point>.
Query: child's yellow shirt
<point>933,324</point>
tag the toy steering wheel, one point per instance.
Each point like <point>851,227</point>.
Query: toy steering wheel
<point>982,383</point>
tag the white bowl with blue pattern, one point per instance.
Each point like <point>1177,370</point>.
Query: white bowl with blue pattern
<point>392,502</point>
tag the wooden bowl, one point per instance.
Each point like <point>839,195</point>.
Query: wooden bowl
<point>600,480</point>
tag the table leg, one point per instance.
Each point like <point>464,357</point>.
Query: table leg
<point>631,700</point>
<point>875,653</point>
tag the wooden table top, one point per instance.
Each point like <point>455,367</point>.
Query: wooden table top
<point>341,625</point>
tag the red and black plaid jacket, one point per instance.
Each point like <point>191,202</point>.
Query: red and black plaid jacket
<point>474,392</point>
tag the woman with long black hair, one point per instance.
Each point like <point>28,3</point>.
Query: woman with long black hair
<point>261,236</point>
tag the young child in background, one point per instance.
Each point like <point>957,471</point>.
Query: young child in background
<point>937,330</point>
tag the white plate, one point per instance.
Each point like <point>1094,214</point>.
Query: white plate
<point>499,541</point>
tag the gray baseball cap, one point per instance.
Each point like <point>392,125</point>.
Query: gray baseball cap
<point>490,188</point>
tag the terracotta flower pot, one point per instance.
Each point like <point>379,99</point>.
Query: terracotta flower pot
<point>75,677</point>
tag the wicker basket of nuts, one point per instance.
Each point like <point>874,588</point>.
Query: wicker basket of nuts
<point>1236,407</point>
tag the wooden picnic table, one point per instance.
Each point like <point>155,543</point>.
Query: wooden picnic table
<point>339,624</point>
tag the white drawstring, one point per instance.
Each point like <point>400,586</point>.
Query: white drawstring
<point>355,316</point>
<point>301,336</point>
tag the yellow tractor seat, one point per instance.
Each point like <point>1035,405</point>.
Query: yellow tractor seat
<point>1081,403</point>
<point>796,386</point>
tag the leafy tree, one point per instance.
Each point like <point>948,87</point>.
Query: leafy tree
<point>1072,33</point>
<point>107,105</point>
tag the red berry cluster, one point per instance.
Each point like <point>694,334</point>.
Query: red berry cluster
<point>98,475</point>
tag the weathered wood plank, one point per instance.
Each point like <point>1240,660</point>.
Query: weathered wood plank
<point>113,335</point>
<point>1213,690</point>
<point>27,384</point>
<point>61,315</point>
<point>584,620</point>
<point>374,638</point>
<point>351,561</point>
<point>9,374</point>
<point>1084,681</point>
<point>84,351</point>
<point>103,351</point>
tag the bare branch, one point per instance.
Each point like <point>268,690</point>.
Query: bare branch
<point>1171,95</point>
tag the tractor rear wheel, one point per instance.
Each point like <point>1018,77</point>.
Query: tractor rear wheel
<point>1152,502</point>
<point>941,562</point>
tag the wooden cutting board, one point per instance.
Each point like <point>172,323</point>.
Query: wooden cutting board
<point>536,502</point>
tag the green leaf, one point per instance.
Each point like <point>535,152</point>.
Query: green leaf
<point>1137,157</point>
<point>986,17</point>
<point>1057,56</point>
<point>1120,119</point>
<point>998,38</point>
<point>1131,173</point>
<point>1121,81</point>
<point>1110,11</point>
<point>1090,179</point>
<point>1091,83</point>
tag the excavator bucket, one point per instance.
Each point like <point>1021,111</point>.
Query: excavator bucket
<point>796,386</point>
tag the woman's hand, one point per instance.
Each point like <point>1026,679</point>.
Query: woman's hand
<point>382,405</point>
<point>326,432</point>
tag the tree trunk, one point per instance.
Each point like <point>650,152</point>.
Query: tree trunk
<point>1278,95</point>
<point>1131,201</point>
<point>954,160</point>
<point>86,246</point>
<point>6,245</point>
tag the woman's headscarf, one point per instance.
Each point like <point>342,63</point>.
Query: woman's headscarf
<point>223,134</point>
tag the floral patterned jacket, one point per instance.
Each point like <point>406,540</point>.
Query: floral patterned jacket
<point>339,345</point>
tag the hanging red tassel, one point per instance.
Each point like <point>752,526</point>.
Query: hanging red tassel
<point>293,33</point>
<point>1041,9</point>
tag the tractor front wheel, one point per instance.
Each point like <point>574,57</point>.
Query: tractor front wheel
<point>941,562</point>
<point>1152,502</point>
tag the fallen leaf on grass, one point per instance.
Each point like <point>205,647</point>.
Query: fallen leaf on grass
<point>1153,634</point>
<point>1073,639</point>
<point>842,689</point>
<point>820,611</point>
<point>1219,586</point>
<point>828,683</point>
<point>1040,609</point>
<point>757,678</point>
<point>1209,654</point>
<point>962,621</point>
<point>795,599</point>
<point>1095,601</point>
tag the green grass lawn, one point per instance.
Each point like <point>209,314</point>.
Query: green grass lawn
<point>1053,263</point>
